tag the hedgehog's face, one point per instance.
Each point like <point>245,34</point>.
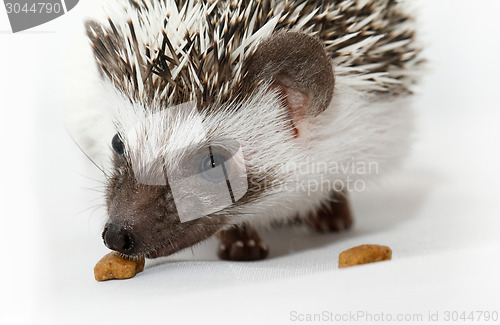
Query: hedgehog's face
<point>166,194</point>
<point>168,190</point>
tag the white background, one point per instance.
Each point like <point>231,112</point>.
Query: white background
<point>440,214</point>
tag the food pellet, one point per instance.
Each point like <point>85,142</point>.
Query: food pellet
<point>113,266</point>
<point>364,254</point>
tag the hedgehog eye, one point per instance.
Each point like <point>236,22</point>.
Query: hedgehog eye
<point>117,145</point>
<point>213,168</point>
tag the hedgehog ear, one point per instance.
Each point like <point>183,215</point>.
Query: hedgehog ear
<point>299,69</point>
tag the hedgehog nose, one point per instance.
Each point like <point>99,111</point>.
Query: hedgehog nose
<point>118,238</point>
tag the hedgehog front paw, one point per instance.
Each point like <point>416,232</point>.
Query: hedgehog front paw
<point>241,244</point>
<point>333,223</point>
<point>243,251</point>
<point>333,216</point>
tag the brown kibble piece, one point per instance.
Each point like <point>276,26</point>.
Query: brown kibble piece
<point>364,254</point>
<point>113,266</point>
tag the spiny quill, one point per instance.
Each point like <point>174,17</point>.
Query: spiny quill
<point>168,52</point>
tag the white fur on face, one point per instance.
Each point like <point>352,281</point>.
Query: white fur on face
<point>157,140</point>
<point>356,128</point>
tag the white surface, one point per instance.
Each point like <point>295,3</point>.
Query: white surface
<point>439,214</point>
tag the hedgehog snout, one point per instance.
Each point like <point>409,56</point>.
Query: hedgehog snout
<point>119,239</point>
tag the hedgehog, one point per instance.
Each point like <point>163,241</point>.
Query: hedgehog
<point>231,115</point>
